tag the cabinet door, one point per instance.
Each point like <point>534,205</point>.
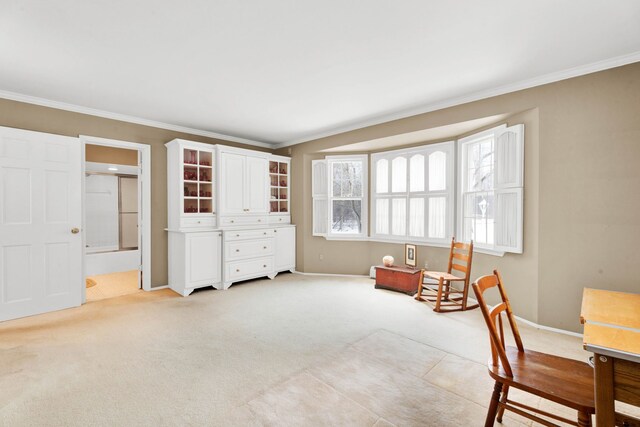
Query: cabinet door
<point>256,183</point>
<point>203,260</point>
<point>232,182</point>
<point>285,248</point>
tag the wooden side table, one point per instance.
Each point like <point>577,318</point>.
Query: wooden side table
<point>399,279</point>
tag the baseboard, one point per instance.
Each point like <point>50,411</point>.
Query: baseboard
<point>548,328</point>
<point>330,274</point>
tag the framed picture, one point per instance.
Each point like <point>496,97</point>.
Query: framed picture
<point>410,255</point>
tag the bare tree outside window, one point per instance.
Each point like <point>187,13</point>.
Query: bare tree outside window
<point>347,197</point>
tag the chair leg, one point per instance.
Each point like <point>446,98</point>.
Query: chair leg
<point>584,419</point>
<point>493,405</point>
<point>418,296</point>
<point>439,297</point>
<point>503,399</point>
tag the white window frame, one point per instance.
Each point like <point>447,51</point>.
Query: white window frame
<point>425,150</point>
<point>364,214</point>
<point>516,187</point>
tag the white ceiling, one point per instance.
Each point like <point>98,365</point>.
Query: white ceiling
<point>285,71</point>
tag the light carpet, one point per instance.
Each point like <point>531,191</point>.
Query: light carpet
<point>298,350</point>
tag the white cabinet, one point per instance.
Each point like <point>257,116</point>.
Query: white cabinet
<point>279,189</point>
<point>194,260</point>
<point>248,254</point>
<point>255,190</point>
<point>228,215</point>
<point>232,174</point>
<point>191,185</point>
<point>243,179</point>
<point>285,248</point>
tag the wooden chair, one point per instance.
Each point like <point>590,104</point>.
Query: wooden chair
<point>564,381</point>
<point>440,292</point>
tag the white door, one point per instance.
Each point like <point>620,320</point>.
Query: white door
<point>232,176</point>
<point>255,189</point>
<point>40,217</point>
<point>285,248</point>
<point>202,252</point>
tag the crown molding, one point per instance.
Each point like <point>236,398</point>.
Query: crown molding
<point>127,118</point>
<point>581,70</point>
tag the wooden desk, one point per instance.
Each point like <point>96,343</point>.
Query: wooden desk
<point>612,332</point>
<point>397,278</point>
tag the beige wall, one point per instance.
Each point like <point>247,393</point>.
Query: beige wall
<point>42,119</point>
<point>111,155</point>
<point>582,177</point>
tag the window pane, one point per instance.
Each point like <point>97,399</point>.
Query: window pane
<point>399,175</point>
<point>346,216</point>
<point>382,216</point>
<point>416,217</point>
<point>382,176</point>
<point>479,217</point>
<point>437,217</point>
<point>347,179</point>
<point>416,167</point>
<point>399,217</point>
<point>480,165</point>
<point>437,171</point>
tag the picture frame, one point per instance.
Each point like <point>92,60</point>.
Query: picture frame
<point>410,255</point>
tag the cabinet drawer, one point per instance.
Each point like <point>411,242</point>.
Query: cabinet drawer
<point>279,219</point>
<point>198,222</point>
<point>235,221</point>
<point>249,268</point>
<point>259,233</point>
<point>241,249</point>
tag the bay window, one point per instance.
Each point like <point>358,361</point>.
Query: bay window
<point>414,190</point>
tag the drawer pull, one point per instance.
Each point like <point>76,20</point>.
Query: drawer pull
<point>264,247</point>
<point>265,266</point>
<point>279,219</point>
<point>232,221</point>
<point>237,235</point>
<point>237,250</point>
<point>237,270</point>
<point>275,231</point>
<point>265,233</point>
<point>199,222</point>
<point>259,220</point>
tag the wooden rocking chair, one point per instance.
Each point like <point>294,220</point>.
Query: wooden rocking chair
<point>440,292</point>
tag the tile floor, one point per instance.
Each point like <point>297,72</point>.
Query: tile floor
<point>113,285</point>
<point>385,379</point>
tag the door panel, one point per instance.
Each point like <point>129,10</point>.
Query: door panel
<point>203,258</point>
<point>232,171</point>
<point>256,187</point>
<point>285,248</point>
<point>40,259</point>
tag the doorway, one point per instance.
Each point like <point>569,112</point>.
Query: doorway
<point>116,216</point>
<point>112,204</point>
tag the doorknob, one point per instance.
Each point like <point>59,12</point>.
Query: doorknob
<point>75,230</point>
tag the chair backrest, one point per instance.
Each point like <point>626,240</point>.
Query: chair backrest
<point>496,333</point>
<point>460,259</point>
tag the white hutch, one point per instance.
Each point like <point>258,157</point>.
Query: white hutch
<point>228,217</point>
